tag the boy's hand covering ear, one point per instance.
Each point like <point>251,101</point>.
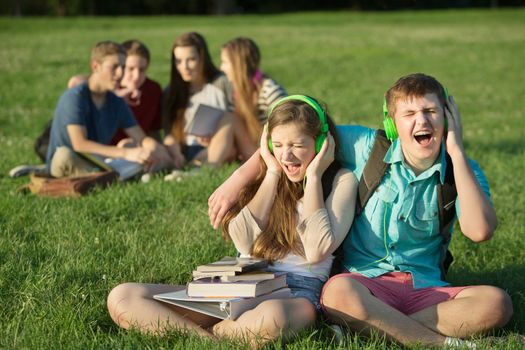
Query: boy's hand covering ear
<point>453,138</point>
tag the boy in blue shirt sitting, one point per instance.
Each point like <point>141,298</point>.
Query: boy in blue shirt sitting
<point>88,115</point>
<point>393,280</point>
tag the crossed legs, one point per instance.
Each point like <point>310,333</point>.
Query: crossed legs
<point>473,310</point>
<point>132,305</point>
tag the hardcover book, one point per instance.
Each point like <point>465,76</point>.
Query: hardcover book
<point>233,264</point>
<point>199,274</point>
<point>123,167</point>
<point>250,276</point>
<point>215,287</point>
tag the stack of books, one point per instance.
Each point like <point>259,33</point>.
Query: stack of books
<point>237,277</point>
<point>227,288</point>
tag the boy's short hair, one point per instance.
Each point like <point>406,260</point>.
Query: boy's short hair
<point>137,48</point>
<point>413,85</point>
<point>106,48</point>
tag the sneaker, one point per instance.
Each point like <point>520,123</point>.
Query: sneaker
<point>145,178</point>
<point>178,175</point>
<point>339,335</point>
<point>457,343</point>
<point>23,170</point>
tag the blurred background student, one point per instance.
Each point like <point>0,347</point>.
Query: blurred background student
<point>253,92</point>
<point>195,80</point>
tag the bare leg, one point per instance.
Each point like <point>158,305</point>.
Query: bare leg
<point>221,148</point>
<point>66,162</point>
<point>350,303</point>
<point>473,310</point>
<point>269,320</point>
<point>131,305</point>
<point>243,143</point>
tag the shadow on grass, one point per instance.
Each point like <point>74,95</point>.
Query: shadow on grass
<point>509,278</point>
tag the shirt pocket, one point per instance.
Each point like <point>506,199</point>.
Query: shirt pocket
<point>384,198</point>
<point>425,221</point>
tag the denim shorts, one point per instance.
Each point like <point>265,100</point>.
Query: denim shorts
<point>191,151</point>
<point>305,287</point>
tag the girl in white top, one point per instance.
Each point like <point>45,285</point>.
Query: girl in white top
<point>195,80</point>
<point>295,215</point>
<point>253,91</point>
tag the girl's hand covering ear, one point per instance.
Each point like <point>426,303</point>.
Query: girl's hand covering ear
<point>271,163</point>
<point>323,159</point>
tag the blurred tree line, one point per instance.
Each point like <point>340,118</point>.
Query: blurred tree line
<point>165,7</point>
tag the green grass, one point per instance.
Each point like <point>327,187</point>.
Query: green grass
<point>59,258</point>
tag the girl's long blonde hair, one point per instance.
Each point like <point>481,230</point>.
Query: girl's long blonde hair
<point>245,58</point>
<point>280,236</point>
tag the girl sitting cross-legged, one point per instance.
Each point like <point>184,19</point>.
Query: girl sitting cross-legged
<point>295,214</point>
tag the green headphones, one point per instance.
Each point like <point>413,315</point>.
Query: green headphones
<point>319,140</point>
<point>390,126</point>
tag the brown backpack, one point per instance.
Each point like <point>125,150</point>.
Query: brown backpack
<point>70,186</point>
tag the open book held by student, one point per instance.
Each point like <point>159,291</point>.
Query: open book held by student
<point>223,308</point>
<point>206,121</point>
<point>123,167</point>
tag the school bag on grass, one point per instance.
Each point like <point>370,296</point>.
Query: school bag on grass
<point>69,186</point>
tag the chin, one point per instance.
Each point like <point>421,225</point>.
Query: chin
<point>295,178</point>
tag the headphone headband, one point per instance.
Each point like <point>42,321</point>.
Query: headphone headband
<point>317,108</point>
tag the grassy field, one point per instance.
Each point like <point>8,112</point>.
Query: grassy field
<point>59,258</point>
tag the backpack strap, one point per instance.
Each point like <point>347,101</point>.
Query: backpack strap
<point>373,172</point>
<point>447,195</point>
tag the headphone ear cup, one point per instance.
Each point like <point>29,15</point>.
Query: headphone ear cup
<point>270,145</point>
<point>390,128</point>
<point>319,140</point>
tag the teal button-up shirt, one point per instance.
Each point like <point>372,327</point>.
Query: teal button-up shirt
<point>398,229</point>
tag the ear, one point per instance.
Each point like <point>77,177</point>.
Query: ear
<point>94,65</point>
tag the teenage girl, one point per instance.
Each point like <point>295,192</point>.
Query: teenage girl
<point>195,80</point>
<point>253,91</point>
<point>295,215</point>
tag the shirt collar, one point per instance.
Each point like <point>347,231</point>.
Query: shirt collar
<point>395,155</point>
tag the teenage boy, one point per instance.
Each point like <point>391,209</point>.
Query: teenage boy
<point>88,115</point>
<point>393,251</point>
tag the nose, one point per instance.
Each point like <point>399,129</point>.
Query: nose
<point>287,153</point>
<point>422,117</point>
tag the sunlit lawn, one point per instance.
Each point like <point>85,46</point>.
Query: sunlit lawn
<point>60,257</point>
